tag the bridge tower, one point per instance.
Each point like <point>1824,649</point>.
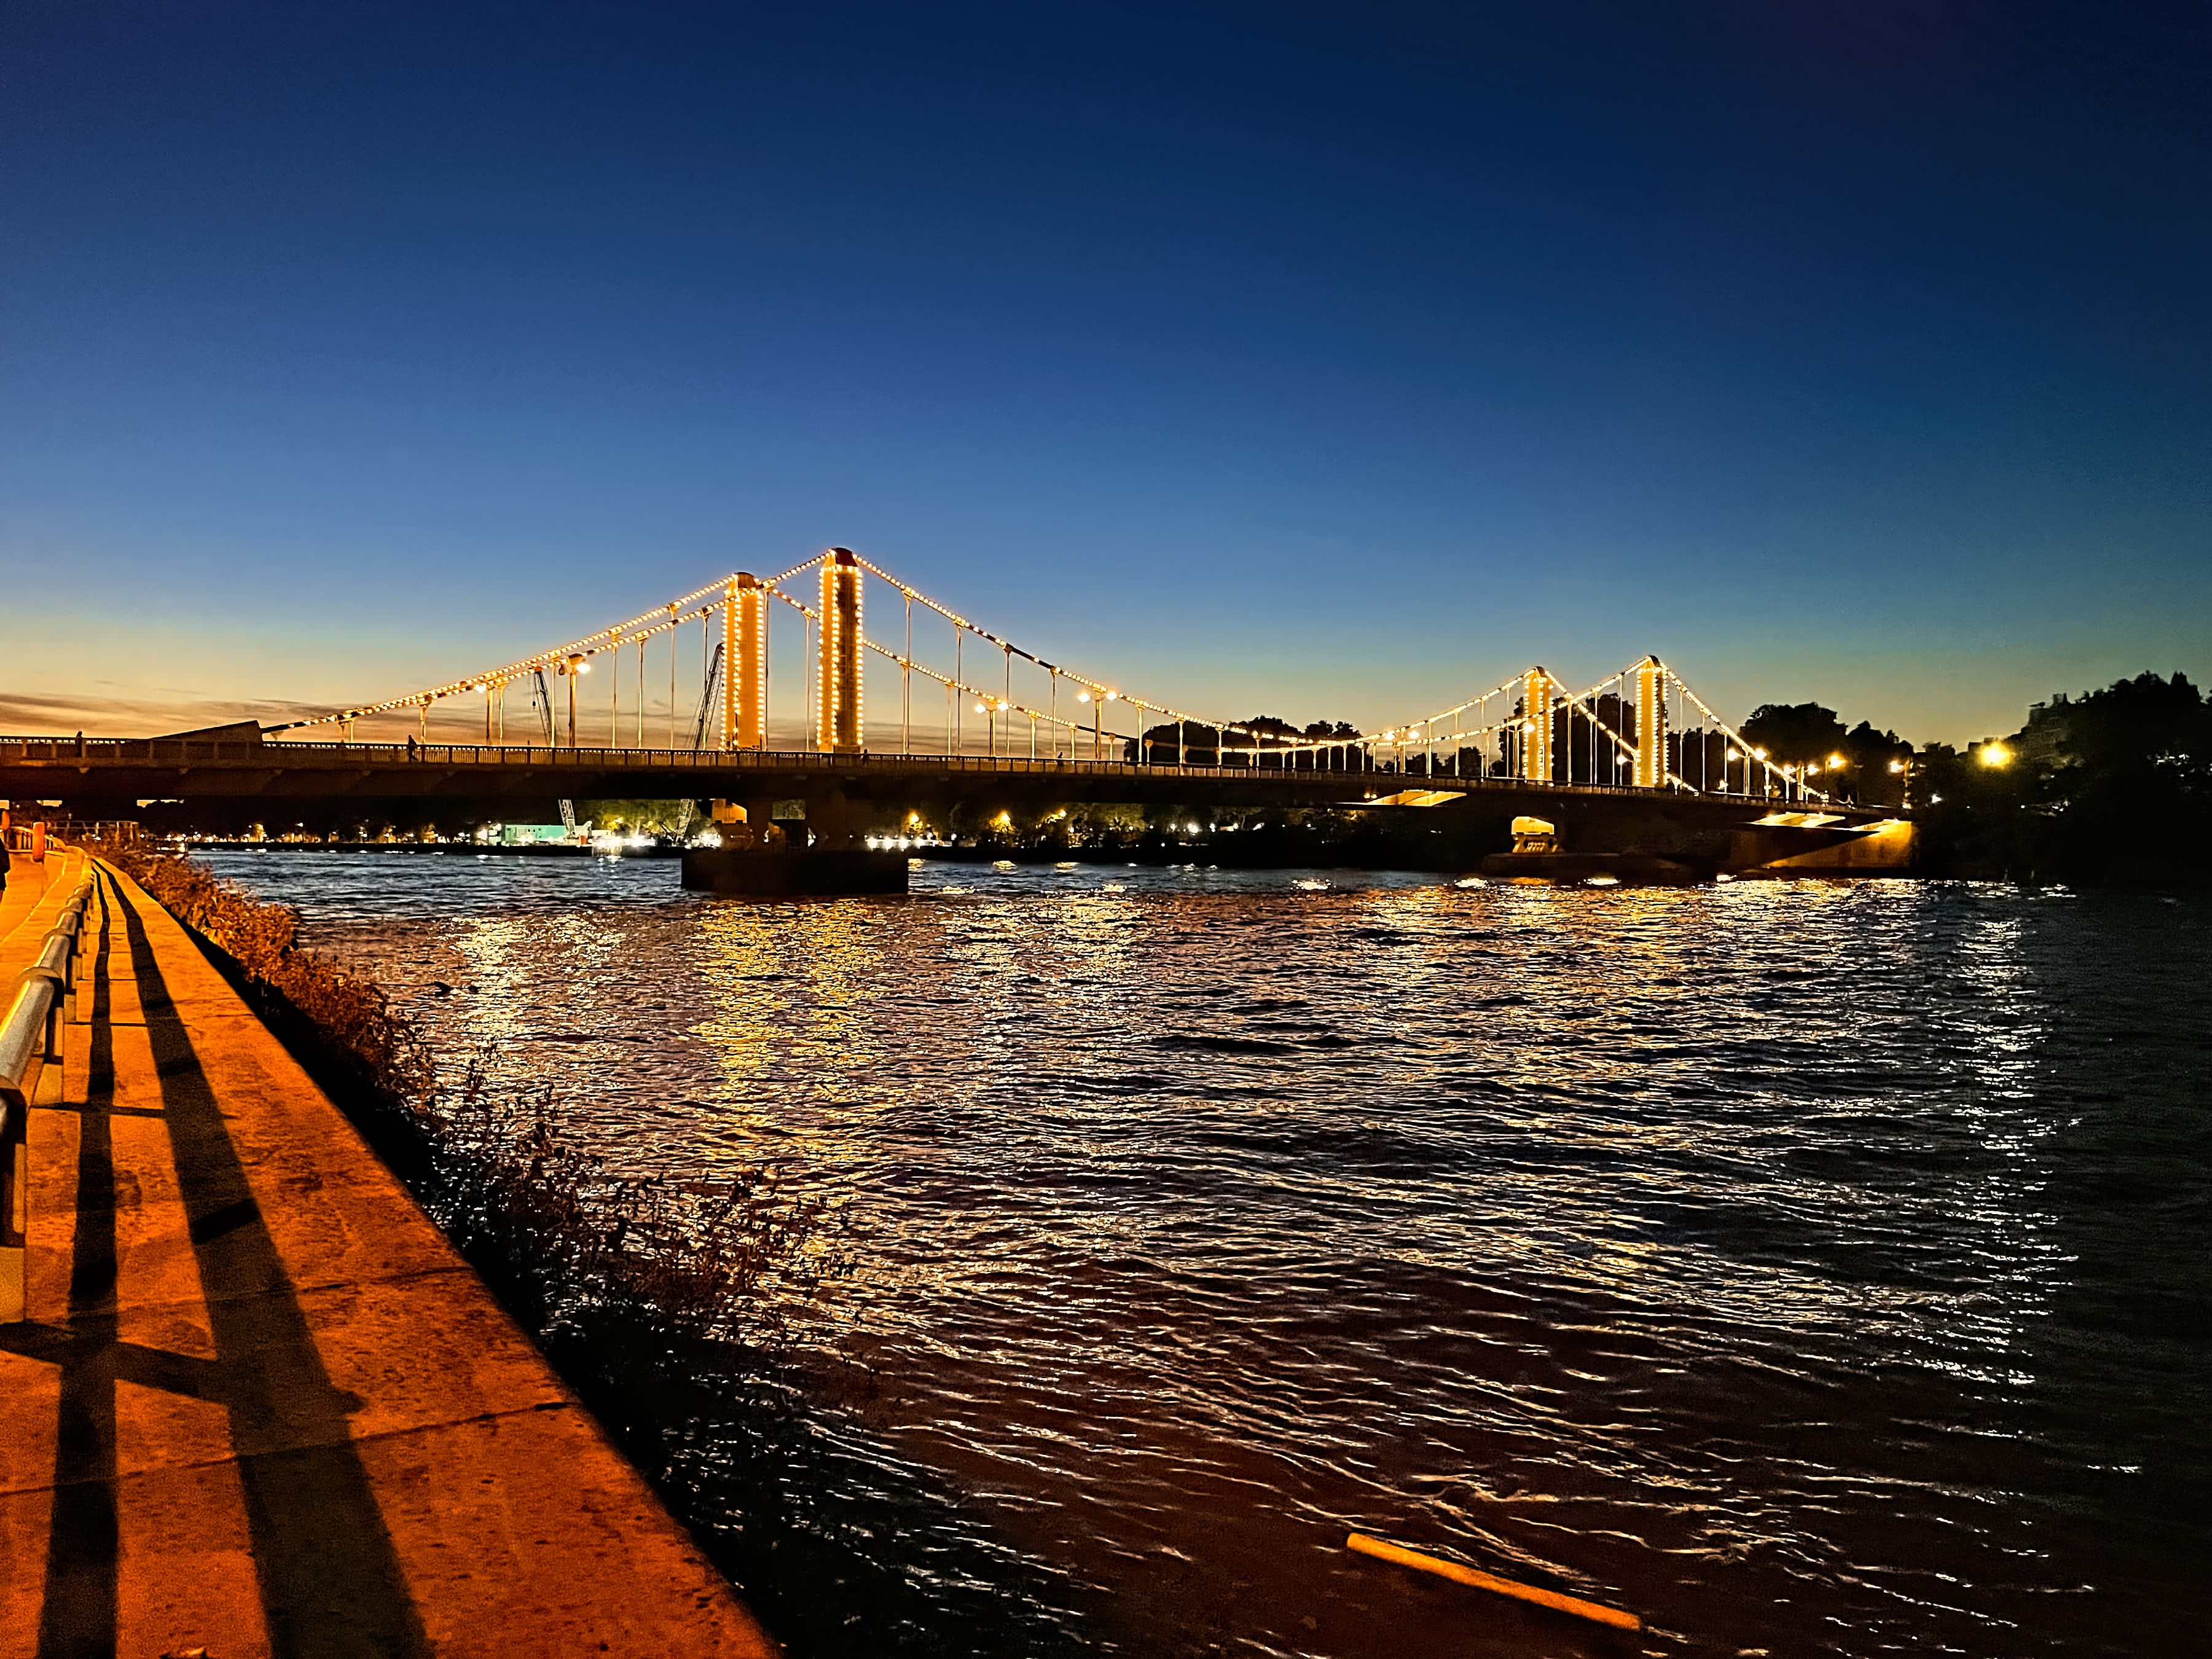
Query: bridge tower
<point>837,682</point>
<point>1650,724</point>
<point>744,663</point>
<point>1536,726</point>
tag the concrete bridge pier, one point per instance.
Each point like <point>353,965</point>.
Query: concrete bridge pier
<point>821,855</point>
<point>1671,840</point>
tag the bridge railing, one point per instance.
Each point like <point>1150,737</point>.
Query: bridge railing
<point>91,754</point>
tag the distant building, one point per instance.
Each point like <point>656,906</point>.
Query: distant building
<point>2045,739</point>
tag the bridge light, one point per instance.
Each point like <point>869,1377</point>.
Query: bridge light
<point>1082,696</point>
<point>1761,753</point>
<point>1994,754</point>
<point>1835,763</point>
<point>1113,696</point>
<point>1896,766</point>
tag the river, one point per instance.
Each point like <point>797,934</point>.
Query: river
<point>1810,1268</point>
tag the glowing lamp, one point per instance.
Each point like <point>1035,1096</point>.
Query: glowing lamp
<point>1996,754</point>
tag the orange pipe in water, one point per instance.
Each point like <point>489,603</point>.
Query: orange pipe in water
<point>1454,1570</point>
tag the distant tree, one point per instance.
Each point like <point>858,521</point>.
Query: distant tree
<point>1204,745</point>
<point>1794,733</point>
<point>2114,789</point>
<point>636,817</point>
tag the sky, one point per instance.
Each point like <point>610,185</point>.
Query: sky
<point>1315,360</point>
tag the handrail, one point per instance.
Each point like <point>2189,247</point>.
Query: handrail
<point>176,752</point>
<point>30,1041</point>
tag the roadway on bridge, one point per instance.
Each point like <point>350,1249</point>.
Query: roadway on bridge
<point>261,1405</point>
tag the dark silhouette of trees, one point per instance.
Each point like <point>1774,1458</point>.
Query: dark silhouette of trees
<point>2114,789</point>
<point>1262,741</point>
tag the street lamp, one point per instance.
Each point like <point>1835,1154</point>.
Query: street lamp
<point>1994,754</point>
<point>572,667</point>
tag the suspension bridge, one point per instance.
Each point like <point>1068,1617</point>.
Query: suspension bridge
<point>824,721</point>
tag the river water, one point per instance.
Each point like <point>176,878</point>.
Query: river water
<point>1810,1268</point>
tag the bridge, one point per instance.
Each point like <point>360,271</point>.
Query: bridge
<point>1636,762</point>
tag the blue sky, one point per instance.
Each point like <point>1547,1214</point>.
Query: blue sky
<point>1298,359</point>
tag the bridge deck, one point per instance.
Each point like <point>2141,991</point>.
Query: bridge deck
<point>203,768</point>
<point>261,1406</point>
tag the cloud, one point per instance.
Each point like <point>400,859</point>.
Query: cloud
<point>26,714</point>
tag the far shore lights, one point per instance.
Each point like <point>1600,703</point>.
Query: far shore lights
<point>1994,754</point>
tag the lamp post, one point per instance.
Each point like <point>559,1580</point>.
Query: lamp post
<point>572,667</point>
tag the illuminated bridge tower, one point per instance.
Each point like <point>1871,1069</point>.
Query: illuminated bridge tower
<point>1650,724</point>
<point>745,664</point>
<point>1536,727</point>
<point>837,683</point>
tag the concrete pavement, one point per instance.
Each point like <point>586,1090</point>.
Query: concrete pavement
<point>261,1406</point>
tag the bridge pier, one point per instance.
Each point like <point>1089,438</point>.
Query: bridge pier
<point>820,856</point>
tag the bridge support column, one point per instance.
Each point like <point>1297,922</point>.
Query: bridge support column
<point>837,682</point>
<point>1650,724</point>
<point>1536,726</point>
<point>744,663</point>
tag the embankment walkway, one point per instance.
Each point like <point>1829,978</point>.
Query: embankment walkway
<point>260,1405</point>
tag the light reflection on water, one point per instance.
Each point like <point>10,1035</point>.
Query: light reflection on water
<point>1807,1267</point>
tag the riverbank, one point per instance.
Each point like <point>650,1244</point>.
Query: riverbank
<point>261,1404</point>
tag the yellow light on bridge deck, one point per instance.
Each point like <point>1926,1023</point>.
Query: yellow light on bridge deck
<point>1897,766</point>
<point>1994,754</point>
<point>1082,696</point>
<point>1835,762</point>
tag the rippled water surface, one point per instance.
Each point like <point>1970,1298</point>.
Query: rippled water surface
<point>1810,1268</point>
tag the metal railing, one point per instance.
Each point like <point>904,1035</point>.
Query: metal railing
<point>89,753</point>
<point>43,995</point>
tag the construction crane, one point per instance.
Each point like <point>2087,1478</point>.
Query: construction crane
<point>707,699</point>
<point>544,698</point>
<point>699,728</point>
